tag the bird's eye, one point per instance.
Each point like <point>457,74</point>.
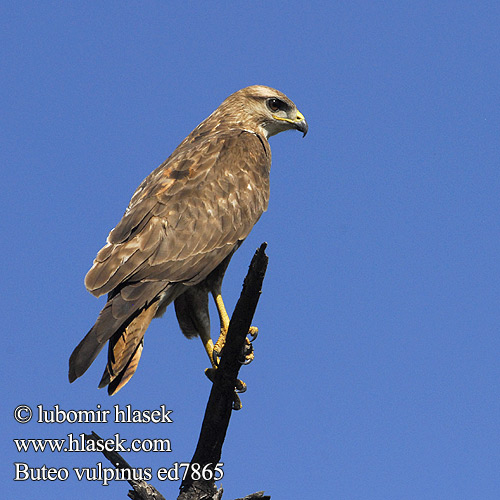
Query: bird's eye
<point>275,104</point>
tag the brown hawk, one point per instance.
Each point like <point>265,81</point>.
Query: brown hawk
<point>181,228</point>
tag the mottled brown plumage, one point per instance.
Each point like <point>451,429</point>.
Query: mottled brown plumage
<point>181,228</point>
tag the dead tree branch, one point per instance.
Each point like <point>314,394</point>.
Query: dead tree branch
<point>219,407</point>
<point>142,490</point>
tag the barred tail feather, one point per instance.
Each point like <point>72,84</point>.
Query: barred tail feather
<point>124,350</point>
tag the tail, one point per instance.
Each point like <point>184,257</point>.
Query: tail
<point>125,349</point>
<point>123,321</point>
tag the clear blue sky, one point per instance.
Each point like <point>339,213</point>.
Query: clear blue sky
<point>376,372</point>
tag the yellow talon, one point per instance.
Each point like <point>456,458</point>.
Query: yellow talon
<point>214,350</point>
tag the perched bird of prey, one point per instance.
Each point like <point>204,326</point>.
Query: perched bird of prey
<point>181,228</point>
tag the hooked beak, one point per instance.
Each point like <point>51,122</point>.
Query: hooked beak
<point>300,123</point>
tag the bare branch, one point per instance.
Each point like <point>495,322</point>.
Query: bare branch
<point>142,490</point>
<point>219,407</point>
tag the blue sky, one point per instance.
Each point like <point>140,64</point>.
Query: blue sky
<point>376,373</point>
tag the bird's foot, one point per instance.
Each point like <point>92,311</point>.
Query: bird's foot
<point>247,353</point>
<point>253,331</point>
<point>216,354</point>
<point>239,387</point>
<point>236,402</point>
<point>247,356</point>
<point>218,346</point>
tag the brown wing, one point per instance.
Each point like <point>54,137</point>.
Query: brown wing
<point>186,216</point>
<point>184,219</point>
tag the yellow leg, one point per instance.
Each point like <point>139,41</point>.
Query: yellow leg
<point>214,351</point>
<point>224,327</point>
<point>209,347</point>
<point>224,323</point>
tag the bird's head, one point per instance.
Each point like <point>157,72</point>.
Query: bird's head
<point>265,109</point>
